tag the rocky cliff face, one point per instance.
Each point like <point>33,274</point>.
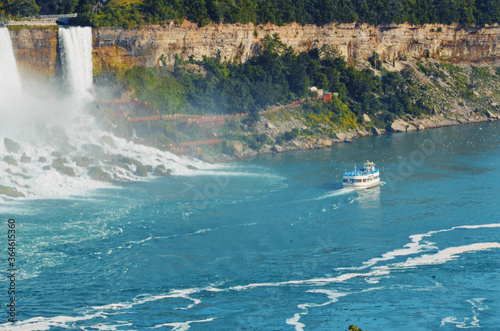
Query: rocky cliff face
<point>35,49</point>
<point>117,49</point>
<point>158,45</point>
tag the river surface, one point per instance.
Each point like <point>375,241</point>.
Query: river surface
<point>275,243</point>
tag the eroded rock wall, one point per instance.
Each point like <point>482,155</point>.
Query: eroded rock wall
<point>35,49</point>
<point>118,49</point>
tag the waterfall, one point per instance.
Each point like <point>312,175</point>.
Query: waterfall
<point>51,147</point>
<point>76,56</point>
<point>10,84</point>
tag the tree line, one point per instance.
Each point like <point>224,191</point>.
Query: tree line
<point>318,12</point>
<point>322,12</point>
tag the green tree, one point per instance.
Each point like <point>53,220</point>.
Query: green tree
<point>162,10</point>
<point>22,8</point>
<point>196,11</point>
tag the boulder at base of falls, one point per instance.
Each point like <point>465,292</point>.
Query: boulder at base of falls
<point>108,141</point>
<point>11,145</point>
<point>10,160</point>
<point>161,171</point>
<point>26,159</point>
<point>82,161</point>
<point>190,167</point>
<point>126,160</point>
<point>17,174</point>
<point>59,137</point>
<point>10,192</point>
<point>96,173</point>
<point>142,170</point>
<point>94,150</point>
<point>63,169</point>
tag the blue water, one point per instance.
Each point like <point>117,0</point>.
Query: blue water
<point>276,243</point>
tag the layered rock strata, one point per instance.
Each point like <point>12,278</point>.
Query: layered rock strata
<point>118,49</point>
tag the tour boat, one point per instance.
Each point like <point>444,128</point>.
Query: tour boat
<point>366,177</point>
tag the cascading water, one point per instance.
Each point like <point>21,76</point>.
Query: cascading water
<point>50,147</point>
<point>76,56</point>
<point>9,77</point>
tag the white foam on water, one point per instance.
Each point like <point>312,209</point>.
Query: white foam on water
<point>376,272</point>
<point>181,326</point>
<point>474,323</point>
<point>467,323</point>
<point>145,298</point>
<point>203,231</point>
<point>477,304</point>
<point>313,281</point>
<point>130,243</point>
<point>416,246</point>
<point>43,323</point>
<point>444,255</point>
<point>221,172</point>
<point>106,327</point>
<point>332,296</point>
<point>46,323</point>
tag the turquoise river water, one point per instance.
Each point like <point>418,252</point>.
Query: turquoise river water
<point>275,243</point>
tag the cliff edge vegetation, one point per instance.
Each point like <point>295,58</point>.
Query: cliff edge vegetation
<point>319,12</point>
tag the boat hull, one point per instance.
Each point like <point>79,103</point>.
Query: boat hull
<point>372,183</point>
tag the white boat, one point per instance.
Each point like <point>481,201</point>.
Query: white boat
<point>366,177</point>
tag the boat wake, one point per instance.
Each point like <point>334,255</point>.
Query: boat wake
<point>342,191</point>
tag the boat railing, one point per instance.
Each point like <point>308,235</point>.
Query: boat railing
<point>360,172</point>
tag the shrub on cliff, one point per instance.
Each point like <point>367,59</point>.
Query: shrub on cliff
<point>158,87</point>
